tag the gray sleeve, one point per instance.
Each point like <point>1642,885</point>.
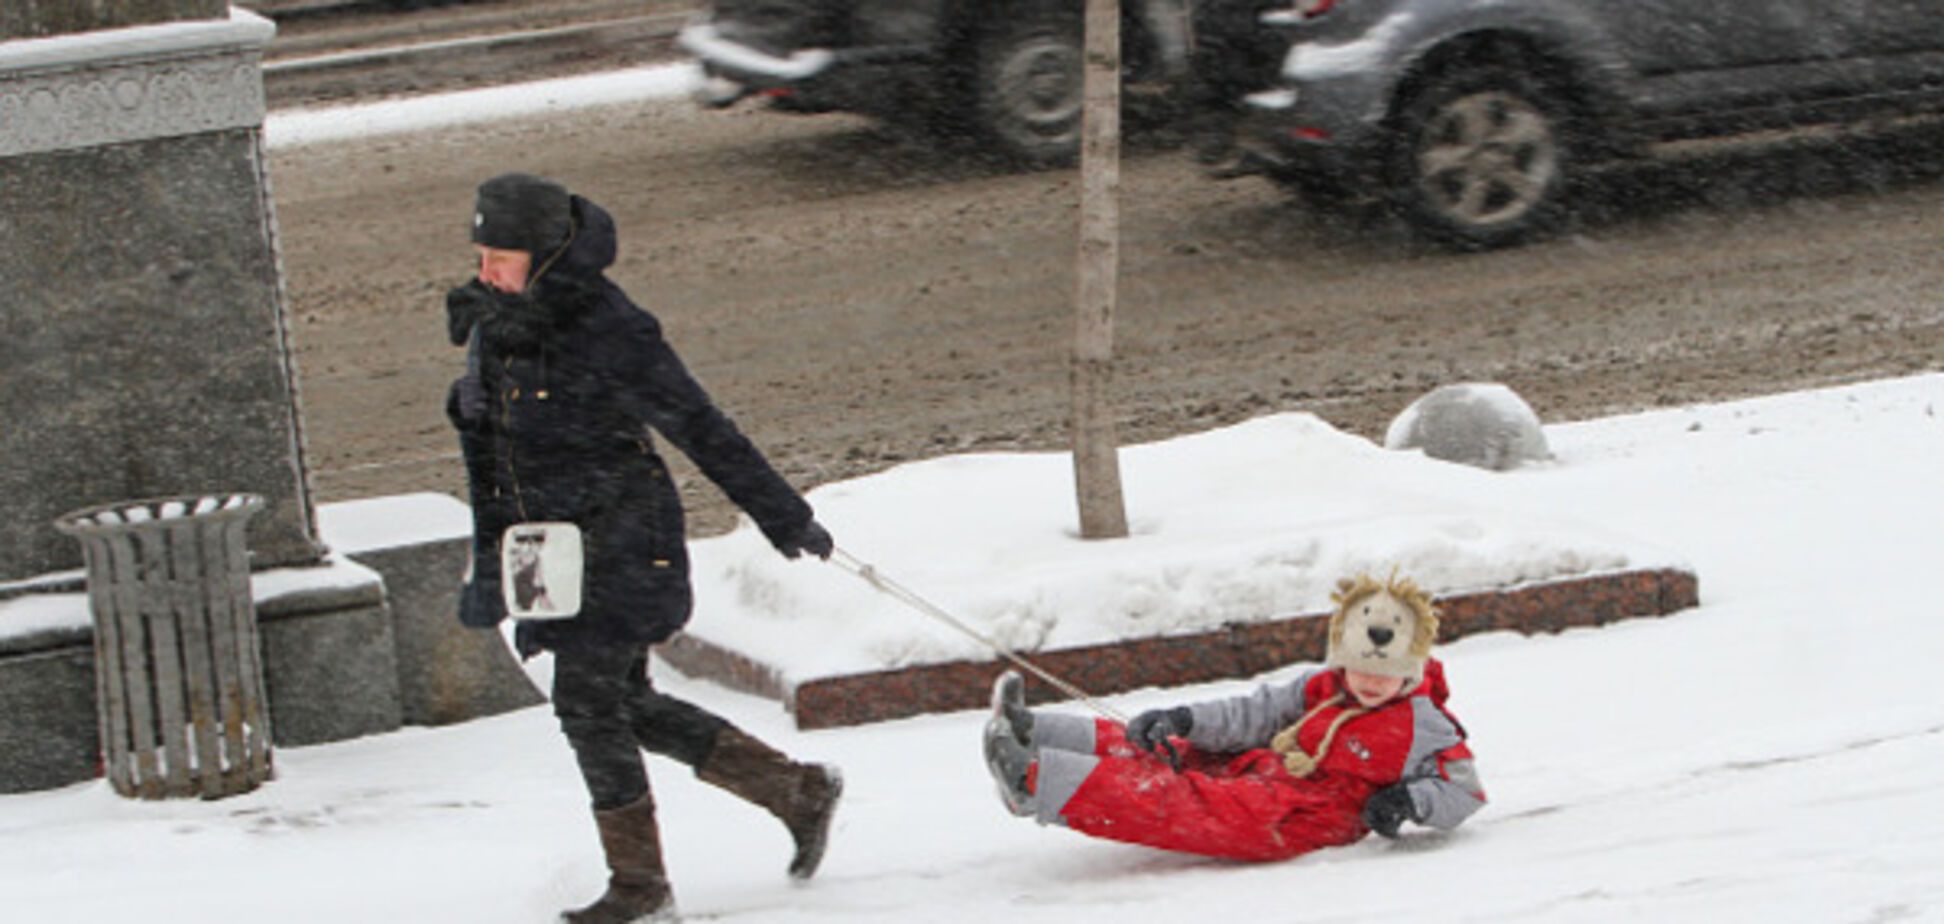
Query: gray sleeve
<point>1445,803</point>
<point>1444,791</point>
<point>1244,722</point>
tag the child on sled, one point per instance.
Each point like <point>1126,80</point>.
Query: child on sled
<point>1362,744</point>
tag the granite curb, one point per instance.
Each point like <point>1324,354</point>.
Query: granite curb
<point>1237,651</point>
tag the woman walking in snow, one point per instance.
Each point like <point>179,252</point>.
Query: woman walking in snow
<point>1364,743</point>
<point>566,380</point>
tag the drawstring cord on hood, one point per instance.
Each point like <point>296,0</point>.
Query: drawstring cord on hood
<point>1301,763</point>
<point>573,229</point>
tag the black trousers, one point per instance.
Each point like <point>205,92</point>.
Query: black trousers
<point>609,711</point>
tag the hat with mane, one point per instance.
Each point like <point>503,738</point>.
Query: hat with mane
<point>1382,627</point>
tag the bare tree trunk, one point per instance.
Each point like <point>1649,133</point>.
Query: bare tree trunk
<point>1096,460</point>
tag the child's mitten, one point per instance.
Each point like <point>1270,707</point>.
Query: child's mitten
<point>1389,808</point>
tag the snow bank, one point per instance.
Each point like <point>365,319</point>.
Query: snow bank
<point>293,127</point>
<point>1244,524</point>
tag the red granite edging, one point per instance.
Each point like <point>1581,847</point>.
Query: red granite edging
<point>732,669</point>
<point>1242,650</point>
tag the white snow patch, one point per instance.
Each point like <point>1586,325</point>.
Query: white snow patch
<point>294,127</point>
<point>335,573</point>
<point>35,613</point>
<point>1244,524</point>
<point>240,28</point>
<point>1308,60</point>
<point>357,526</point>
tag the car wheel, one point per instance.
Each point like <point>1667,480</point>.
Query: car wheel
<point>1029,89</point>
<point>1481,158</point>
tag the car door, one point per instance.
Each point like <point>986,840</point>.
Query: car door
<point>1700,55</point>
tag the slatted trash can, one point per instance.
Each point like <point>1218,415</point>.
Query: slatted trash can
<point>178,672</point>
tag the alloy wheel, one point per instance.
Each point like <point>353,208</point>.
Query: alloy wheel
<point>1487,158</point>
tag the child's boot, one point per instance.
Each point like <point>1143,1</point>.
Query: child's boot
<point>1009,705</point>
<point>1009,751</point>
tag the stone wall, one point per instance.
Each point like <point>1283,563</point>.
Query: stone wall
<point>49,733</point>
<point>355,648</point>
<point>447,672</point>
<point>38,18</point>
<point>330,666</point>
<point>329,662</point>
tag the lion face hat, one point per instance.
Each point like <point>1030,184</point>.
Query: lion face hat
<point>1382,628</point>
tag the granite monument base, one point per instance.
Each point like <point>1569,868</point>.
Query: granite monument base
<point>448,673</point>
<point>48,731</point>
<point>329,664</point>
<point>359,646</point>
<point>420,544</point>
<point>329,671</point>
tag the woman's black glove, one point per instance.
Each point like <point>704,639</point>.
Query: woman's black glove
<point>1389,808</point>
<point>465,305</point>
<point>810,537</point>
<point>468,405</point>
<point>512,322</point>
<point>1151,730</point>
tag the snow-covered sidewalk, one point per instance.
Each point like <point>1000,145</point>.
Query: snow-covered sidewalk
<point>1774,755</point>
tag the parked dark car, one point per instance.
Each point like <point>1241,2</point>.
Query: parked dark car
<point>1009,70</point>
<point>1474,118</point>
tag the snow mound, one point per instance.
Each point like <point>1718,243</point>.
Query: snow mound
<point>1481,424</point>
<point>1244,524</point>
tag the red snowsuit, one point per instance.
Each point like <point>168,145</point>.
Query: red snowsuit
<point>1247,805</point>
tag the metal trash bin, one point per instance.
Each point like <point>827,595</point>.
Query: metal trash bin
<point>178,673</point>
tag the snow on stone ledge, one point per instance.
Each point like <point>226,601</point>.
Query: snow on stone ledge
<point>1244,524</point>
<point>357,526</point>
<point>287,128</point>
<point>241,28</point>
<point>35,614</point>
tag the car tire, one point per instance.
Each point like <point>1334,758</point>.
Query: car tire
<point>1481,158</point>
<point>1028,89</point>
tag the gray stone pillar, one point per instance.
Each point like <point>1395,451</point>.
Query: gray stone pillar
<point>143,336</point>
<point>39,18</point>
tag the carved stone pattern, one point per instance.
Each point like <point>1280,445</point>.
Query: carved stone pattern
<point>77,109</point>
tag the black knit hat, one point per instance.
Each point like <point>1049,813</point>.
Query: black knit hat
<point>520,211</point>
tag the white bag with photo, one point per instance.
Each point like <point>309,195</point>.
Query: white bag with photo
<point>540,570</point>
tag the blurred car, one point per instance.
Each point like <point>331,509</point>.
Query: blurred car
<point>1009,70</point>
<point>1473,117</point>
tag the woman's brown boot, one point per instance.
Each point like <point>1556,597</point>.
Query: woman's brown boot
<point>637,891</point>
<point>802,796</point>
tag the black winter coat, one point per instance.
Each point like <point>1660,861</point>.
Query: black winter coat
<point>564,435</point>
